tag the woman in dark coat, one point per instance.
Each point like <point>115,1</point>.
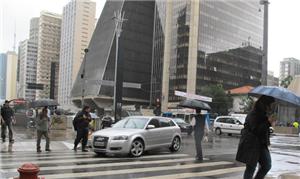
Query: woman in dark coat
<point>255,139</point>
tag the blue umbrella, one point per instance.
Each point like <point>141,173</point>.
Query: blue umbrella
<point>282,95</point>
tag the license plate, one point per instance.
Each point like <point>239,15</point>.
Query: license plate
<point>100,144</point>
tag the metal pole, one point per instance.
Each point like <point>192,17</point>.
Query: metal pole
<point>83,77</point>
<point>119,19</point>
<point>265,3</point>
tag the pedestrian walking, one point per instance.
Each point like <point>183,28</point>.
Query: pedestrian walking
<point>81,125</point>
<point>255,138</point>
<point>199,131</point>
<point>7,118</point>
<point>42,125</point>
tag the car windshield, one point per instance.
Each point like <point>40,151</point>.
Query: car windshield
<point>179,120</point>
<point>131,123</point>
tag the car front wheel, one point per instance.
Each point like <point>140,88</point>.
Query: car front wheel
<point>137,148</point>
<point>218,131</point>
<point>176,144</point>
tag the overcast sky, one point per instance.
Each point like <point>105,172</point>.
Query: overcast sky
<point>284,26</point>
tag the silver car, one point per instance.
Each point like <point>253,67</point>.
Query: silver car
<point>136,134</point>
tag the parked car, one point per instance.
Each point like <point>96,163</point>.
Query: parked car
<point>227,124</point>
<point>184,126</point>
<point>135,134</point>
<point>231,125</point>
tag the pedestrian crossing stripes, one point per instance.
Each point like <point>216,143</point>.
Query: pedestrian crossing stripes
<point>69,165</point>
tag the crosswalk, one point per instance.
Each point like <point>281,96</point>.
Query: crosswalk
<point>69,164</point>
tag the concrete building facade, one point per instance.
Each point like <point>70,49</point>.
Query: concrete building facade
<point>3,62</point>
<point>28,63</point>
<point>48,54</point>
<point>78,24</point>
<point>272,80</point>
<point>289,67</point>
<point>11,75</point>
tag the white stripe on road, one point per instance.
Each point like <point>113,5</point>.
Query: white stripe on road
<point>6,165</point>
<point>199,174</point>
<point>14,159</point>
<point>132,163</point>
<point>131,171</point>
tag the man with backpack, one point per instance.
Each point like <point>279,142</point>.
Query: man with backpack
<point>7,118</point>
<point>81,125</point>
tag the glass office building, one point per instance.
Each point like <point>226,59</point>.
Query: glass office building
<point>135,52</point>
<point>198,43</point>
<point>179,45</point>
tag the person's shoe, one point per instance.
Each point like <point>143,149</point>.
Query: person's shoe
<point>38,151</point>
<point>75,149</point>
<point>48,150</point>
<point>11,141</point>
<point>3,140</point>
<point>199,159</point>
<point>85,150</point>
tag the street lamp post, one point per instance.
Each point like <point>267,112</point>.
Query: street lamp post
<point>119,19</point>
<point>86,50</point>
<point>265,3</point>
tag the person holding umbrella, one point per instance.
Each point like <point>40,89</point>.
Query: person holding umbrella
<point>255,138</point>
<point>199,119</point>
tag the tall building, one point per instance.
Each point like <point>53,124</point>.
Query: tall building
<point>34,30</point>
<point>48,54</point>
<point>289,67</point>
<point>198,43</point>
<point>135,56</point>
<point>78,24</point>
<point>27,61</point>
<point>11,75</point>
<point>2,75</point>
<point>272,80</point>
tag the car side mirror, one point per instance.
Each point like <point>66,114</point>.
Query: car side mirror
<point>150,127</point>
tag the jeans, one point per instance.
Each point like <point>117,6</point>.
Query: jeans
<point>39,137</point>
<point>81,134</point>
<point>264,165</point>
<point>198,134</point>
<point>4,125</point>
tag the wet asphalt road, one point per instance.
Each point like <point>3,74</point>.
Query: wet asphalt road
<point>219,152</point>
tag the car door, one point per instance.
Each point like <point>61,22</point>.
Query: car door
<point>153,135</point>
<point>166,131</point>
<point>231,125</point>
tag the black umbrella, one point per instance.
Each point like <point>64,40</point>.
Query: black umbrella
<point>282,95</point>
<point>194,104</point>
<point>43,103</point>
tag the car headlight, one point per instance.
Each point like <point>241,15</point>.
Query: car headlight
<point>120,138</point>
<point>184,127</point>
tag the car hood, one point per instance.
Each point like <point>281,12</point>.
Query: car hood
<point>110,132</point>
<point>183,124</point>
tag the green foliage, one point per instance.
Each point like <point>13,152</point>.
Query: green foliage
<point>247,103</point>
<point>286,81</point>
<point>221,101</point>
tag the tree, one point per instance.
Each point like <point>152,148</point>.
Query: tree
<point>221,101</point>
<point>247,104</point>
<point>286,81</point>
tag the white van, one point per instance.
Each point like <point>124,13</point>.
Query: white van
<point>228,124</point>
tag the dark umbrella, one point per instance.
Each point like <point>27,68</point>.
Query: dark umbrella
<point>43,103</point>
<point>282,95</point>
<point>194,104</point>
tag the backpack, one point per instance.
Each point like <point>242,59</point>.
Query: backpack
<point>76,120</point>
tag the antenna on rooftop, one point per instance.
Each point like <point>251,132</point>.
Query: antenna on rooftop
<point>14,47</point>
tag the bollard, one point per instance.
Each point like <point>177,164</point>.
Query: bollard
<point>28,171</point>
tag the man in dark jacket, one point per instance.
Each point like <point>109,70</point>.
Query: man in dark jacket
<point>199,133</point>
<point>81,124</point>
<point>255,139</point>
<point>8,117</point>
